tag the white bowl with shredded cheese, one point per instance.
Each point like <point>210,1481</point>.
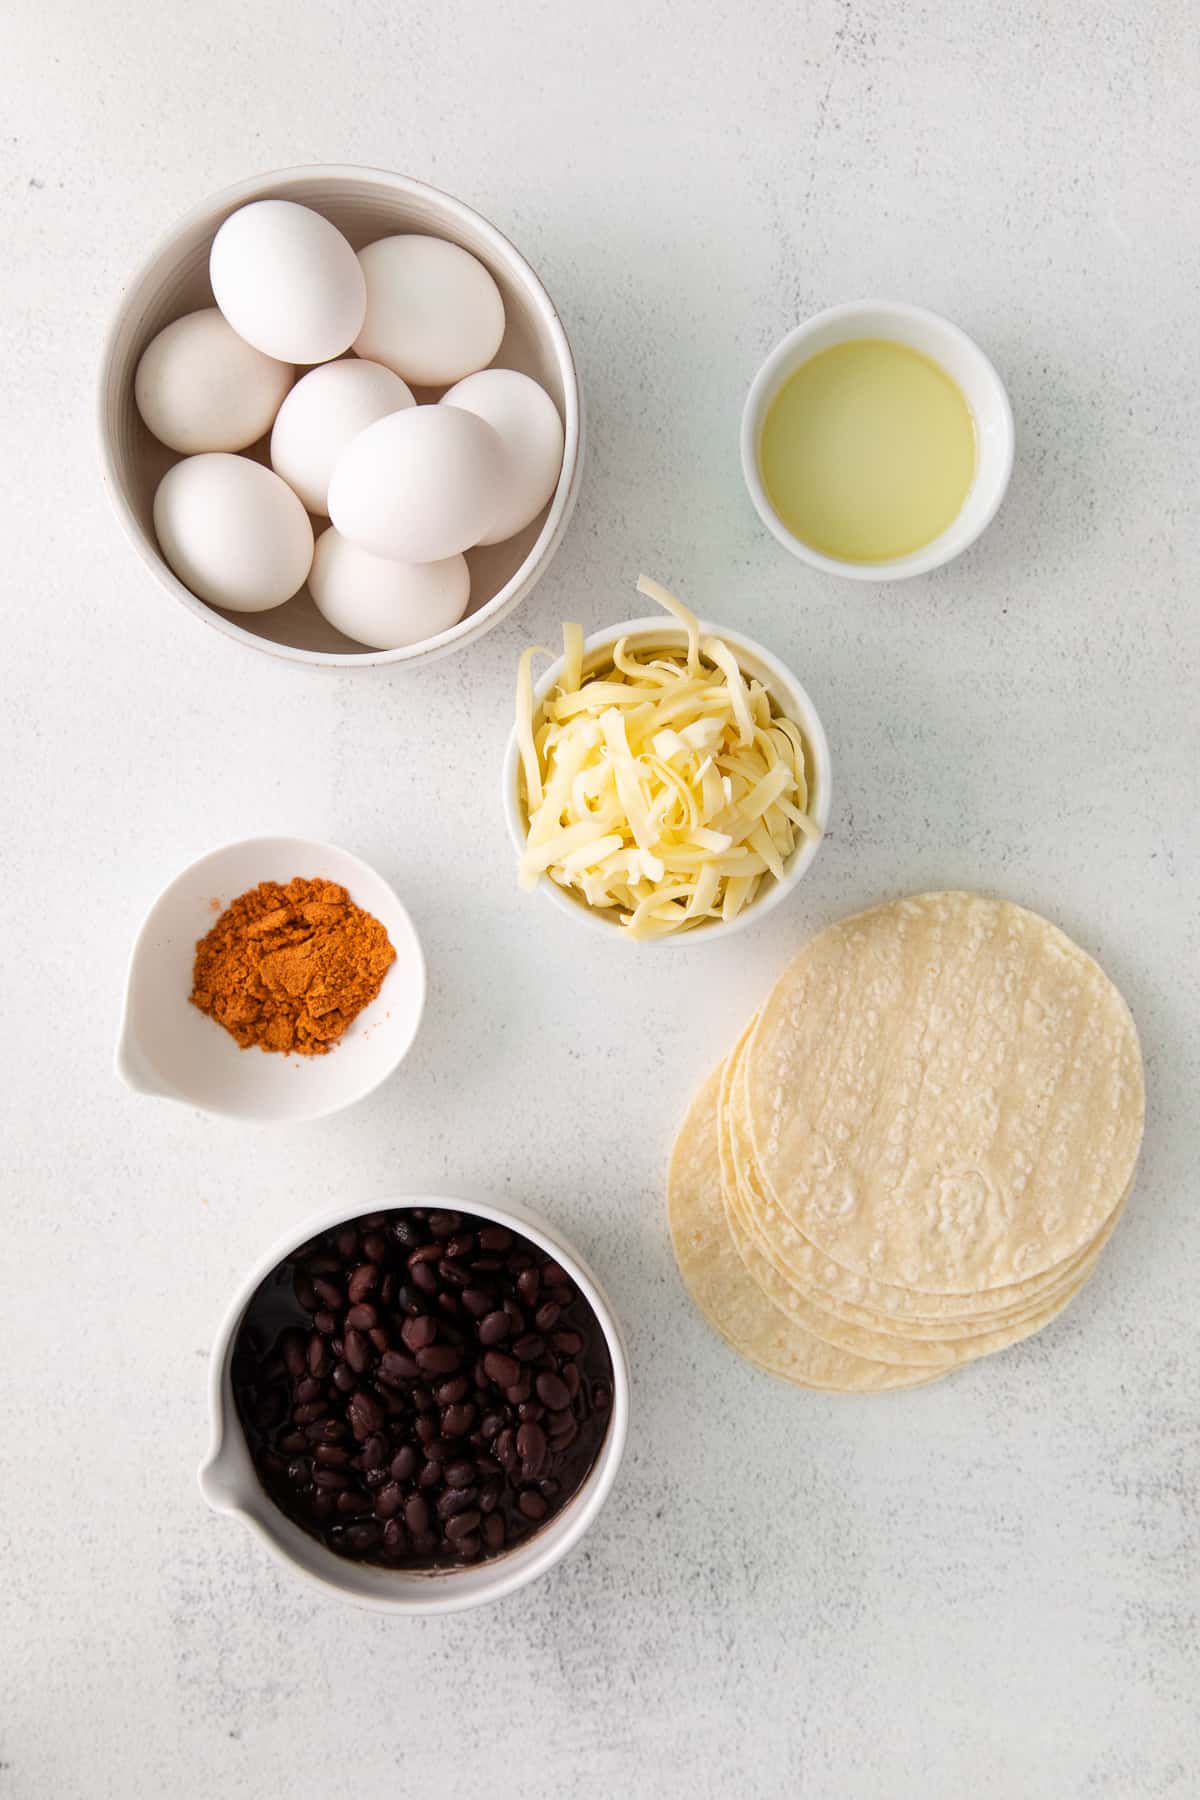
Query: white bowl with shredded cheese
<point>665,778</point>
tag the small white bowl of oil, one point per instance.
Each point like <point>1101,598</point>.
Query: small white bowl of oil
<point>877,441</point>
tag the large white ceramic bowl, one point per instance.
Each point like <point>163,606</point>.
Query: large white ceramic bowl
<point>364,204</point>
<point>169,1048</point>
<point>230,1485</point>
<point>944,344</point>
<point>787,697</point>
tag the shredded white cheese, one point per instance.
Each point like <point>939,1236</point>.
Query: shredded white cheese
<point>664,789</point>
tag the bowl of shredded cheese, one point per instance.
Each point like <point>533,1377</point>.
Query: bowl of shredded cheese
<point>664,778</point>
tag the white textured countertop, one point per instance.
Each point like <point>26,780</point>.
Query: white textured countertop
<point>989,1588</point>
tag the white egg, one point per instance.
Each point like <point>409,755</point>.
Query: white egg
<point>526,420</point>
<point>382,603</point>
<point>287,281</point>
<point>325,410</point>
<point>233,532</point>
<point>419,485</point>
<point>199,386</point>
<point>434,313</point>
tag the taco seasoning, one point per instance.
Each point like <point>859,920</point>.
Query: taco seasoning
<point>289,967</point>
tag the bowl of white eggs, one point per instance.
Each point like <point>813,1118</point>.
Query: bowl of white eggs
<point>340,419</point>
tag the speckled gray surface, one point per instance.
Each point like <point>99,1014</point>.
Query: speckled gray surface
<point>989,1587</point>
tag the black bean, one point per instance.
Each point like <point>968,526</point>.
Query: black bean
<point>494,1328</point>
<point>330,1478</point>
<point>347,1242</point>
<point>457,1388</point>
<point>494,1237</point>
<point>362,1317</point>
<point>547,1315</point>
<point>310,1411</point>
<point>364,1413</point>
<point>363,1537</point>
<point>493,1531</point>
<point>461,1244</point>
<point>374,1246</point>
<point>457,1420</point>
<point>562,1435</point>
<point>343,1377</point>
<point>501,1368</point>
<point>416,1515</point>
<point>430,1476</point>
<point>491,1424</point>
<point>419,1332</point>
<point>529,1348</point>
<point>292,1441</point>
<point>325,1322</point>
<point>351,1503</point>
<point>425,1253</point>
<point>329,1292</point>
<point>395,1368</point>
<point>404,1463</point>
<point>438,1359</point>
<point>570,1375</point>
<point>462,1525</point>
<point>357,1352</point>
<point>388,1500</point>
<point>304,1291</point>
<point>552,1391</point>
<point>374,1452</point>
<point>460,1474</point>
<point>476,1302</point>
<point>528,1283</point>
<point>424,1276</point>
<point>445,1224</point>
<point>379,1337</point>
<point>456,1500</point>
<point>531,1448</point>
<point>308,1389</point>
<point>521,1388</point>
<point>532,1504</point>
<point>568,1342</point>
<point>331,1456</point>
<point>405,1231</point>
<point>325,1431</point>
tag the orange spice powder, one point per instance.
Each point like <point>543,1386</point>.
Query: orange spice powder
<point>289,967</point>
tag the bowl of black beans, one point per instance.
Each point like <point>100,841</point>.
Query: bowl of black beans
<point>420,1408</point>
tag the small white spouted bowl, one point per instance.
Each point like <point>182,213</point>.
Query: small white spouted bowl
<point>169,1048</point>
<point>230,1485</point>
<point>646,636</point>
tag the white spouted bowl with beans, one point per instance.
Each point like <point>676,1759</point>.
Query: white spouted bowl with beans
<point>230,1483</point>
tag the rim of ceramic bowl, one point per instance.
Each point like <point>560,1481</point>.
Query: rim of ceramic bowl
<point>949,543</point>
<point>242,1496</point>
<point>566,493</point>
<point>128,1060</point>
<point>787,692</point>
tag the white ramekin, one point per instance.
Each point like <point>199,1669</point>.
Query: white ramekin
<point>944,344</point>
<point>788,698</point>
<point>230,1485</point>
<point>365,204</point>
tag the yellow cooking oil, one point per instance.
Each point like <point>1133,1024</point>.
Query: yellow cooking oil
<point>868,451</point>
